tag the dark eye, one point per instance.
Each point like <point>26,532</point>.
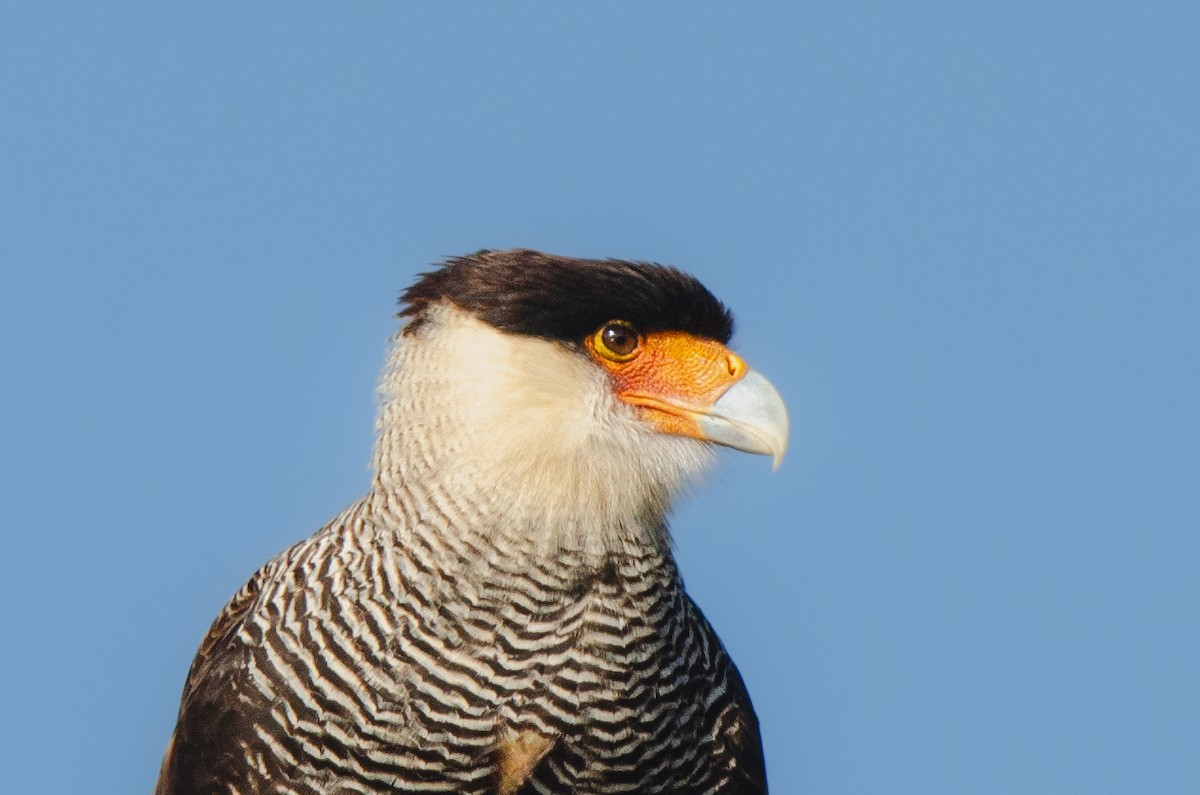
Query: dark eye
<point>617,340</point>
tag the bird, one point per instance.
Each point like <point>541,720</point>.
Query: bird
<point>502,613</point>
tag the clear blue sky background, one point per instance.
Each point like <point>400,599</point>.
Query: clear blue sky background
<point>962,238</point>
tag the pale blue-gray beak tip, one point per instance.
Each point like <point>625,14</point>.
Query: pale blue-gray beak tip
<point>750,416</point>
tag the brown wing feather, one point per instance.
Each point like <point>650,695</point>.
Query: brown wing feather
<point>745,740</point>
<point>226,623</point>
<point>739,744</point>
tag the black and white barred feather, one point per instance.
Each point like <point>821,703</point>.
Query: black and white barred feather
<point>505,595</point>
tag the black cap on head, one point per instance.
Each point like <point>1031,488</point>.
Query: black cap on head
<point>565,299</point>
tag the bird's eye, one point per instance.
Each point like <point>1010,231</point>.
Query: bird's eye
<point>617,340</point>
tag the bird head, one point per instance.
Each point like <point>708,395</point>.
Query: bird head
<point>575,392</point>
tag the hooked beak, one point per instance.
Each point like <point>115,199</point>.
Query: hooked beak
<point>691,386</point>
<point>751,417</point>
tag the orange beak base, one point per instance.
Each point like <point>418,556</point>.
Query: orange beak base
<point>674,378</point>
<point>696,387</point>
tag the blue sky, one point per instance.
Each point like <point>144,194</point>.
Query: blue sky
<point>962,239</point>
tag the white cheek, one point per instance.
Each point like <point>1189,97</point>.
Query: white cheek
<point>533,421</point>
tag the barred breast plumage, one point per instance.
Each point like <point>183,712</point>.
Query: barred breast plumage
<point>501,613</point>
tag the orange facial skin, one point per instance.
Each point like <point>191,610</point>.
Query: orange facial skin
<point>671,378</point>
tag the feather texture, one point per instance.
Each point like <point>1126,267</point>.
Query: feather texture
<point>500,614</point>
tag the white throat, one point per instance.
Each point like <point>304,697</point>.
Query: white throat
<point>528,432</point>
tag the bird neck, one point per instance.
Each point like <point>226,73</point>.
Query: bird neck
<point>495,433</point>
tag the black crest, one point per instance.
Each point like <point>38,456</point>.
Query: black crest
<point>565,299</point>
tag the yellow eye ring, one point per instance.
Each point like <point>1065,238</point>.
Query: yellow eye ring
<point>617,341</point>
